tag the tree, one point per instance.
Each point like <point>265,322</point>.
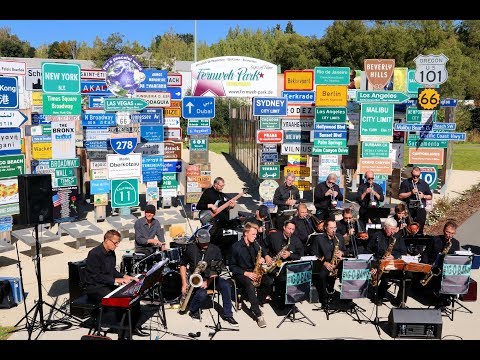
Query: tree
<point>12,46</point>
<point>289,28</point>
<point>59,50</point>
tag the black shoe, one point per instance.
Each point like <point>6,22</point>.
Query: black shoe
<point>140,332</point>
<point>195,315</point>
<point>231,320</point>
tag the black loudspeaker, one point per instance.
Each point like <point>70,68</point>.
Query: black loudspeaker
<point>415,323</point>
<point>76,285</point>
<point>35,199</point>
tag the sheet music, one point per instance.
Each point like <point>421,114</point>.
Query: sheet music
<point>157,266</point>
<point>308,258</point>
<point>410,258</point>
<point>366,257</point>
<point>463,252</point>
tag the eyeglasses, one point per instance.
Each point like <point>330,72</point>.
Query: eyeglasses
<point>114,242</point>
<point>415,176</point>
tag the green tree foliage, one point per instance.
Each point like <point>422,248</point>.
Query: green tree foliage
<point>289,28</point>
<point>12,46</point>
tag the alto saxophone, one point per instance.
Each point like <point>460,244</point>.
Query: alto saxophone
<point>258,270</point>
<point>277,260</point>
<point>335,259</point>
<point>388,252</point>
<point>435,270</point>
<point>194,281</point>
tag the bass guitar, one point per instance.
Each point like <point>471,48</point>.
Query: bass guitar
<point>206,216</point>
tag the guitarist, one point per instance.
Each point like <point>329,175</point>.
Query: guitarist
<point>211,199</point>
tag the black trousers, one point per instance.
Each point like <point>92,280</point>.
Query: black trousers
<point>263,290</point>
<point>419,215</point>
<point>323,282</point>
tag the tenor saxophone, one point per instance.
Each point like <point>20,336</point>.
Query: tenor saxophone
<point>335,259</point>
<point>388,252</point>
<point>277,260</point>
<point>258,270</point>
<point>435,270</point>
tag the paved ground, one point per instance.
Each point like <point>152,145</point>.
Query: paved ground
<point>57,254</point>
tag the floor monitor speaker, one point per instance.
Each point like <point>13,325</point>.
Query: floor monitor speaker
<point>35,199</point>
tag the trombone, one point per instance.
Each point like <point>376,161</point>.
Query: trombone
<point>290,207</point>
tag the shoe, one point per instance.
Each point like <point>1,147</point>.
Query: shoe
<point>195,315</point>
<point>140,332</point>
<point>261,322</point>
<point>231,320</point>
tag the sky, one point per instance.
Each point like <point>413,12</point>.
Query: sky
<point>40,32</point>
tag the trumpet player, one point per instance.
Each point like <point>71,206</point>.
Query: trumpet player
<point>202,250</point>
<point>415,191</point>
<point>369,196</point>
<point>286,197</point>
<point>325,197</point>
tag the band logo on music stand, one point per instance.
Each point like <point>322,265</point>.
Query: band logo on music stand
<point>299,279</point>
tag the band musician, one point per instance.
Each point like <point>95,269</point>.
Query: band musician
<point>440,246</point>
<point>387,245</point>
<point>202,250</point>
<point>149,235</point>
<point>329,248</point>
<point>246,267</point>
<point>305,224</point>
<point>262,219</point>
<point>348,228</point>
<point>415,192</point>
<point>325,197</point>
<point>369,197</point>
<point>402,219</point>
<point>286,197</point>
<point>102,277</point>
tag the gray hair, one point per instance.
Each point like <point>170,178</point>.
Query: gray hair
<point>391,222</point>
<point>332,176</point>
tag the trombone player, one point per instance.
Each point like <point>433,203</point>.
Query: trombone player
<point>305,224</point>
<point>415,192</point>
<point>369,197</point>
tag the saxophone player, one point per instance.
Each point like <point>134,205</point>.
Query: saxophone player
<point>243,264</point>
<point>434,253</point>
<point>415,191</point>
<point>327,247</point>
<point>378,244</point>
<point>369,195</point>
<point>203,250</point>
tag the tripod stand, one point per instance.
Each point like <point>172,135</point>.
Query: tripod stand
<point>291,315</point>
<point>217,267</point>
<point>38,307</point>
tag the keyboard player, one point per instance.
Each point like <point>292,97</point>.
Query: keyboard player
<point>102,276</point>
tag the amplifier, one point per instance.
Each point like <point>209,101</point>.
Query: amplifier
<point>471,294</point>
<point>415,323</point>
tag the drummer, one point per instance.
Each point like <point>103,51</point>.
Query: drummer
<point>149,235</point>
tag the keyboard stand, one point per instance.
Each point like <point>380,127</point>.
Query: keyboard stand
<point>122,327</point>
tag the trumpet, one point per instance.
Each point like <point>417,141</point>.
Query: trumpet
<point>417,196</point>
<point>333,202</point>
<point>290,207</point>
<point>373,202</point>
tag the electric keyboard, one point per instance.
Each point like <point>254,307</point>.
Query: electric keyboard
<point>124,295</point>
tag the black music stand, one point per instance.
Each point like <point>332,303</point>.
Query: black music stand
<point>217,267</point>
<point>298,294</point>
<point>43,325</point>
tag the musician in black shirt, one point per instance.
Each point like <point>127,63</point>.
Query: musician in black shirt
<point>245,253</point>
<point>304,224</point>
<point>369,196</point>
<point>415,191</point>
<point>262,219</point>
<point>286,197</point>
<point>102,277</point>
<point>323,247</point>
<point>347,227</point>
<point>202,250</point>
<point>325,197</point>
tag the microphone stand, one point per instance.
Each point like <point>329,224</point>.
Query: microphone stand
<point>186,217</point>
<point>376,321</point>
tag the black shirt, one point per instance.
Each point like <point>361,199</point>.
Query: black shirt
<point>303,228</point>
<point>365,203</point>
<point>192,255</point>
<point>378,244</point>
<point>322,245</point>
<point>320,200</point>
<point>407,186</point>
<point>100,269</point>
<point>276,241</point>
<point>436,246</point>
<point>244,257</point>
<point>282,194</point>
<point>212,196</point>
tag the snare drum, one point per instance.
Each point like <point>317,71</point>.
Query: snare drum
<point>127,266</point>
<point>171,285</point>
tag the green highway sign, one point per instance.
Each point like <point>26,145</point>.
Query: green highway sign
<point>59,78</point>
<point>329,75</point>
<point>65,172</point>
<point>58,104</point>
<point>124,104</point>
<point>64,182</point>
<point>375,149</point>
<point>376,119</point>
<point>330,142</point>
<point>64,163</point>
<point>330,114</point>
<point>12,165</point>
<point>169,181</point>
<point>416,116</point>
<point>198,144</point>
<point>319,150</point>
<point>269,172</point>
<point>198,122</point>
<point>270,123</point>
<point>416,142</point>
<point>124,192</point>
<point>381,96</point>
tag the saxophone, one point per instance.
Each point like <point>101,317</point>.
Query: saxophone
<point>435,270</point>
<point>195,280</point>
<point>258,270</point>
<point>388,252</point>
<point>335,259</point>
<point>277,260</point>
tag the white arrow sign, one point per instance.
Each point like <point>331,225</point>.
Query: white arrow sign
<point>12,119</point>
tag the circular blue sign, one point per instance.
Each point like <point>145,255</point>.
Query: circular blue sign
<point>123,146</point>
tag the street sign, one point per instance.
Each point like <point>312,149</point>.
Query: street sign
<point>329,142</point>
<point>152,168</point>
<point>152,133</point>
<point>414,115</point>
<point>332,126</point>
<point>124,193</point>
<point>59,104</point>
<point>147,118</point>
<point>172,150</point>
<point>378,72</point>
<point>431,156</point>
<point>450,136</point>
<point>198,144</point>
<point>381,96</point>
<point>124,104</point>
<point>13,118</point>
<point>417,142</point>
<point>299,96</point>
<point>430,69</point>
<point>175,92</point>
<point>332,75</point>
<point>90,74</point>
<point>155,80</point>
<point>198,122</point>
<point>8,92</point>
<point>269,157</point>
<point>172,133</point>
<point>272,106</point>
<point>321,150</point>
<point>9,67</point>
<point>97,88</point>
<point>301,171</point>
<point>298,80</point>
<point>269,172</point>
<point>428,99</point>
<point>297,136</point>
<point>60,78</point>
<point>198,107</point>
<point>172,166</point>
<point>269,136</point>
<point>270,123</point>
<point>98,120</point>
<point>174,80</point>
<point>199,130</point>
<point>33,81</point>
<point>375,149</point>
<point>123,146</point>
<point>330,114</point>
<point>331,95</point>
<point>296,111</point>
<point>412,127</point>
<point>429,174</point>
<point>376,119</point>
<point>173,112</point>
<point>12,165</point>
<point>155,99</point>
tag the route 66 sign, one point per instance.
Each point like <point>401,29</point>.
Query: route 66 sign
<point>431,69</point>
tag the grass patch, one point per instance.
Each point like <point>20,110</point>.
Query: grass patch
<point>5,332</point>
<point>465,156</point>
<point>218,147</point>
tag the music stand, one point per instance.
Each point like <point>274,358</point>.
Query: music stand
<point>355,279</point>
<point>455,281</point>
<point>216,266</point>
<point>299,279</point>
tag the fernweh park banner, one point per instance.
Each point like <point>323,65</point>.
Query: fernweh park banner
<point>234,76</point>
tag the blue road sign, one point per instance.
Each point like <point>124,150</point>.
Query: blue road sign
<point>95,144</point>
<point>270,106</point>
<point>8,92</point>
<point>175,92</point>
<point>174,166</point>
<point>444,126</point>
<point>95,88</point>
<point>154,80</point>
<point>329,134</point>
<point>199,130</point>
<point>296,136</point>
<point>99,120</point>
<point>123,146</point>
<point>198,107</point>
<point>331,127</point>
<point>152,168</point>
<point>147,118</point>
<point>39,119</point>
<point>443,136</point>
<point>411,127</point>
<point>269,157</point>
<point>448,102</point>
<point>299,96</point>
<point>96,102</point>
<point>101,186</point>
<point>151,133</point>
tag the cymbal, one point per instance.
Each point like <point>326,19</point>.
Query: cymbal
<point>181,240</point>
